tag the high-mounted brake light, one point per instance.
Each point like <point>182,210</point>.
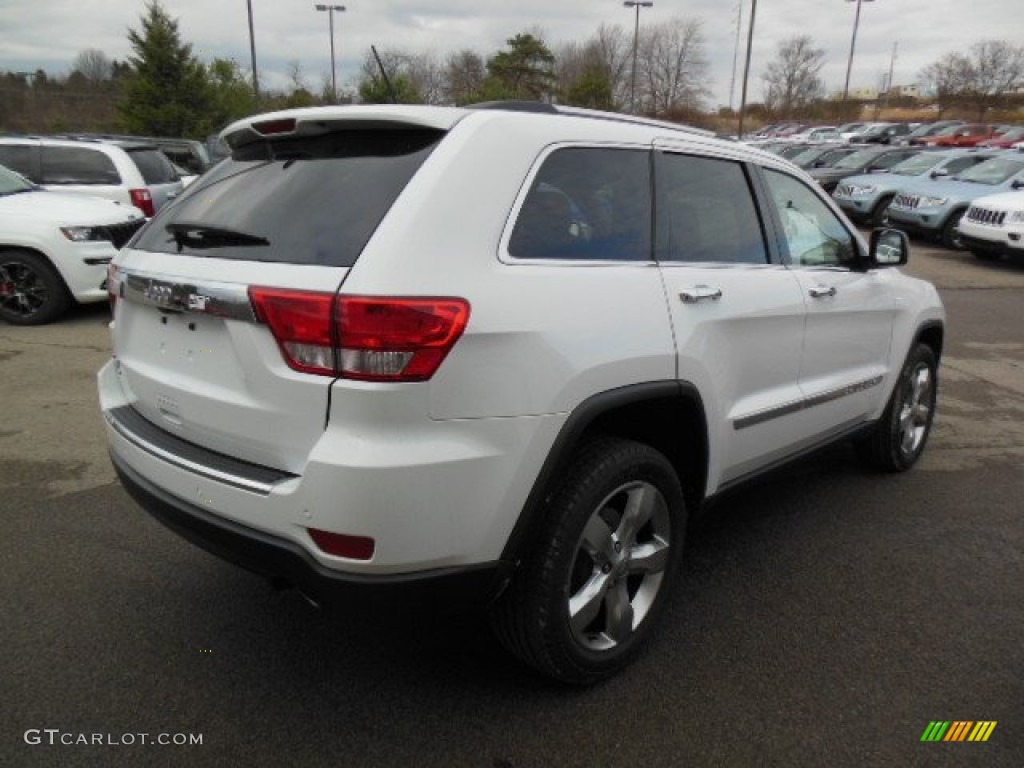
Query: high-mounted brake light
<point>143,200</point>
<point>275,127</point>
<point>361,337</point>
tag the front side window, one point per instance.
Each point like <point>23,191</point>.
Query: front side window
<point>587,203</point>
<point>813,234</point>
<point>77,165</point>
<point>706,212</point>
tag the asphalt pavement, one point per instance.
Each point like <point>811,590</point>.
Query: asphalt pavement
<point>826,616</point>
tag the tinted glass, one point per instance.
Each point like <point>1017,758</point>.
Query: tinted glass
<point>313,200</point>
<point>587,203</point>
<point>17,158</point>
<point>706,213</point>
<point>77,165</point>
<point>813,234</point>
<point>153,165</point>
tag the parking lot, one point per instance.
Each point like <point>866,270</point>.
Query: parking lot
<point>826,616</point>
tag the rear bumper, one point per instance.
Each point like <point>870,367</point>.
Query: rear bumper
<point>287,563</point>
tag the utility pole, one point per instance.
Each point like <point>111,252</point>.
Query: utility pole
<point>735,52</point>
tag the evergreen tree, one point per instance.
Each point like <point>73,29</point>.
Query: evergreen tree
<point>526,69</point>
<point>168,92</point>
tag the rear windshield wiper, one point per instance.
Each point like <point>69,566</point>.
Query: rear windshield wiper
<point>200,236</point>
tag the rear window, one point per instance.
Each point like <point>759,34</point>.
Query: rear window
<point>153,165</point>
<point>77,165</point>
<point>17,158</point>
<point>308,200</point>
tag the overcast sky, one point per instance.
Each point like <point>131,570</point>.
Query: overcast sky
<point>47,34</point>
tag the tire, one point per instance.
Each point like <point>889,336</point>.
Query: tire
<point>949,237</point>
<point>897,441</point>
<point>877,218</point>
<point>601,567</point>
<point>31,291</point>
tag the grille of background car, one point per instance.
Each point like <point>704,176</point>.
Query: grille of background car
<point>985,216</point>
<point>119,234</point>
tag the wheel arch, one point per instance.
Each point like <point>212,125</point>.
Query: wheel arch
<point>932,334</point>
<point>667,415</point>
<point>35,251</point>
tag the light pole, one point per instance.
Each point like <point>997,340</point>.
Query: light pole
<point>638,4</point>
<point>330,15</point>
<point>746,66</point>
<point>853,43</point>
<point>252,51</point>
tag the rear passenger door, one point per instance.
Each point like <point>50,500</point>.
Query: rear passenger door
<point>738,314</point>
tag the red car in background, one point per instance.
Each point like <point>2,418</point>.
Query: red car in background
<point>963,136</point>
<point>1004,140</point>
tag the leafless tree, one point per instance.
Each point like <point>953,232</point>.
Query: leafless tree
<point>791,79</point>
<point>672,69</point>
<point>992,70</point>
<point>94,66</point>
<point>465,71</point>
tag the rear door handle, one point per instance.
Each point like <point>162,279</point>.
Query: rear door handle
<point>822,291</point>
<point>700,293</point>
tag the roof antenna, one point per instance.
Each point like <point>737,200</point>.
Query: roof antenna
<point>384,74</point>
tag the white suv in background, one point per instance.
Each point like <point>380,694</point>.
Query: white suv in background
<point>501,353</point>
<point>55,248</point>
<point>131,172</point>
<point>994,226</point>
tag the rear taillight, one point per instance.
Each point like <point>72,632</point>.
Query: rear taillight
<point>361,337</point>
<point>113,287</point>
<point>143,200</point>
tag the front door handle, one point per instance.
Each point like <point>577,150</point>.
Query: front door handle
<point>700,293</point>
<point>822,291</point>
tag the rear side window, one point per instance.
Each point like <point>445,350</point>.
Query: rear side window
<point>153,165</point>
<point>706,212</point>
<point>77,165</point>
<point>587,203</point>
<point>308,200</point>
<point>18,158</point>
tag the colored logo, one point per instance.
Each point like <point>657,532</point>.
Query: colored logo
<point>958,730</point>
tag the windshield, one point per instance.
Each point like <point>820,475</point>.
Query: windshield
<point>917,165</point>
<point>994,171</point>
<point>856,160</point>
<point>297,200</point>
<point>12,183</point>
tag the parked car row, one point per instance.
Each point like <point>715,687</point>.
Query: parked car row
<point>68,203</point>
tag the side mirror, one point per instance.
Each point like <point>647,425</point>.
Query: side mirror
<point>889,248</point>
<point>1017,184</point>
<point>938,173</point>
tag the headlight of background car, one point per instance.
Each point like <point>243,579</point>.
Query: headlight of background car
<point>80,234</point>
<point>1016,217</point>
<point>932,202</point>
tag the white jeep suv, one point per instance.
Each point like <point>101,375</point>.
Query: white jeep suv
<point>55,248</point>
<point>500,353</point>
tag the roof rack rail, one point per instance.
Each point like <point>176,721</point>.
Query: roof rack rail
<point>516,106</point>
